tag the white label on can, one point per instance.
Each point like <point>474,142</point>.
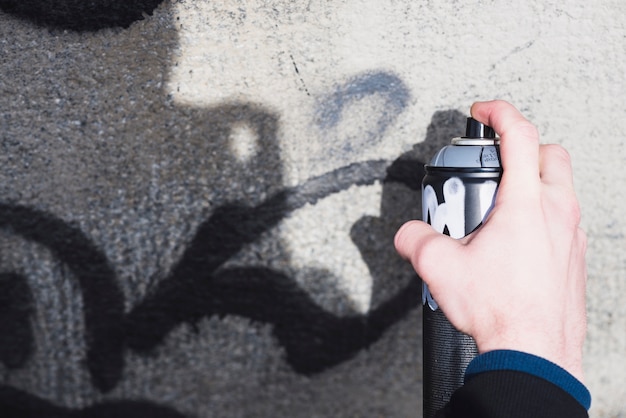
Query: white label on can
<point>450,214</point>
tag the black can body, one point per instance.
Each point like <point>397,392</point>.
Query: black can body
<point>458,192</point>
<point>447,352</point>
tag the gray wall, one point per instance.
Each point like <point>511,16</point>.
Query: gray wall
<point>197,209</point>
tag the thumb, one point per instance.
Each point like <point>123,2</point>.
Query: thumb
<point>428,252</point>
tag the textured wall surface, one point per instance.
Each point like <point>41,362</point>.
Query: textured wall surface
<point>198,198</point>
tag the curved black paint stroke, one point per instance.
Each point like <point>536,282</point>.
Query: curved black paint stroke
<point>80,15</point>
<point>102,299</point>
<point>219,238</point>
<point>16,403</point>
<point>313,338</point>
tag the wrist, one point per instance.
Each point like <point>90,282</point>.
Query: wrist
<point>564,354</point>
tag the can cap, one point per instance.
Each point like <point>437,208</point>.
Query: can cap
<point>476,129</point>
<point>477,149</point>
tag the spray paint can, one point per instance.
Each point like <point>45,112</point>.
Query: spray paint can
<point>457,193</point>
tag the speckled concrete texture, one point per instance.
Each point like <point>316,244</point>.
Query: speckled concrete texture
<point>197,210</point>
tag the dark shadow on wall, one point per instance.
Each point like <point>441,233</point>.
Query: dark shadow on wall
<point>313,338</point>
<point>401,201</point>
<point>82,84</point>
<point>198,286</point>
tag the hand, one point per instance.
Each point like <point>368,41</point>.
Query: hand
<point>518,282</point>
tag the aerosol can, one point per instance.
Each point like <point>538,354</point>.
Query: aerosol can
<point>458,191</point>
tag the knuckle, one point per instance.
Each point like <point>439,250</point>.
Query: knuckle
<point>524,128</point>
<point>558,154</point>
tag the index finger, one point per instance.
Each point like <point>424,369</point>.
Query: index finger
<point>519,145</point>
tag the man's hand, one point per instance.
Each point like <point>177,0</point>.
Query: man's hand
<point>518,282</point>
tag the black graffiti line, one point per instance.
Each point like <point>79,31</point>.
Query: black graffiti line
<point>103,300</point>
<point>313,338</point>
<point>219,238</point>
<point>193,291</point>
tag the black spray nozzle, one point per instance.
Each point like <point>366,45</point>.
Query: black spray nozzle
<point>477,129</point>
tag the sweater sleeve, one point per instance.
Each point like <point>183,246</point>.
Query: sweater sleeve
<point>528,363</point>
<point>517,385</point>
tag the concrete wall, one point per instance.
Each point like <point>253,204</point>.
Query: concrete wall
<point>198,198</point>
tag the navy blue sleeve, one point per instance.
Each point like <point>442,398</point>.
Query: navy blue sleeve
<point>510,360</point>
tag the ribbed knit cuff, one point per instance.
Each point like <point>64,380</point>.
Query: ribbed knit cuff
<point>531,364</point>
